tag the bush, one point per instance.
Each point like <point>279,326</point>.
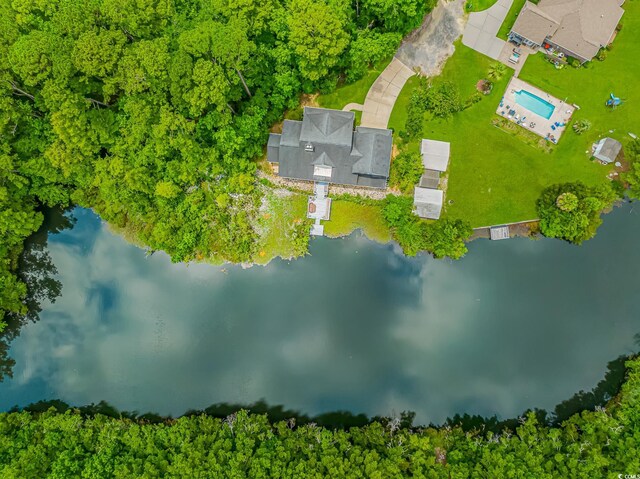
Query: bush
<point>444,100</point>
<point>580,126</point>
<point>295,114</point>
<point>496,71</point>
<point>571,211</point>
<point>406,170</point>
<point>442,238</point>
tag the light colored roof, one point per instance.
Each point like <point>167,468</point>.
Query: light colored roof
<point>607,150</point>
<point>435,154</point>
<point>534,24</point>
<point>580,26</point>
<point>428,202</point>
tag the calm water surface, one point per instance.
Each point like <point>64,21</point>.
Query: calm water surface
<point>355,326</point>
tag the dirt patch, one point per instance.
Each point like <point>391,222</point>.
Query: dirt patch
<point>309,99</point>
<point>395,151</point>
<point>429,47</point>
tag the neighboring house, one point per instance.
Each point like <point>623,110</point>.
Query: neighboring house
<point>577,28</point>
<point>427,202</point>
<point>324,147</point>
<point>607,150</point>
<point>435,160</point>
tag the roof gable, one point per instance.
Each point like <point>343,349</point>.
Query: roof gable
<point>373,146</point>
<point>329,127</point>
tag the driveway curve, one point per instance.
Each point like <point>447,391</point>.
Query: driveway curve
<point>383,94</point>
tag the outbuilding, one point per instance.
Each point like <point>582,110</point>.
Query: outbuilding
<point>607,150</point>
<point>427,202</point>
<point>435,155</point>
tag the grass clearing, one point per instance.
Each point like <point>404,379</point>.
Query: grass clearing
<point>478,5</point>
<point>347,216</point>
<point>496,176</point>
<point>511,18</point>
<point>354,92</point>
<point>276,221</point>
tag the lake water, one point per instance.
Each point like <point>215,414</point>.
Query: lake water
<point>354,326</point>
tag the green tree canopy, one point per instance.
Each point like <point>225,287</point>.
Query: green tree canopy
<point>571,211</point>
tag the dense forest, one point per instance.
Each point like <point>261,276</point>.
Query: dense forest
<point>601,443</point>
<point>154,112</point>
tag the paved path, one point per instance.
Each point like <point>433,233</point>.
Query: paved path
<point>383,94</point>
<point>353,106</point>
<point>482,28</point>
<point>506,54</point>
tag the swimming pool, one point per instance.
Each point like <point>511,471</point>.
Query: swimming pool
<point>534,103</point>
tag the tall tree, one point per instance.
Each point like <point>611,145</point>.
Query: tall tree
<point>317,36</point>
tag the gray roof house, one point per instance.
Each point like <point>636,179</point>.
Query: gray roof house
<point>607,150</point>
<point>578,28</point>
<point>325,147</point>
<point>427,202</point>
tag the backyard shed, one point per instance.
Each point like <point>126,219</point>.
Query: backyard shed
<point>607,150</point>
<point>435,154</point>
<point>427,202</point>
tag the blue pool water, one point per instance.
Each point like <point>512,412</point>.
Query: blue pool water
<point>535,104</point>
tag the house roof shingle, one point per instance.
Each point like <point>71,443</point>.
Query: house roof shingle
<point>326,138</point>
<point>579,26</point>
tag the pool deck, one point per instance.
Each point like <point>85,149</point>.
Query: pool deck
<point>535,123</point>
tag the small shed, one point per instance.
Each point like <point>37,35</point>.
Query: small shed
<point>607,150</point>
<point>500,232</point>
<point>435,154</point>
<point>427,202</point>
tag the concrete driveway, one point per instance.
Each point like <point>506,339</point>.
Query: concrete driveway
<point>383,94</point>
<point>482,28</point>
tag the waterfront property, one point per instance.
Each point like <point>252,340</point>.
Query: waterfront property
<point>324,147</point>
<point>535,110</point>
<point>573,28</point>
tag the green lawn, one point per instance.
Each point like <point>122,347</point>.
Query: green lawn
<point>347,216</point>
<point>280,215</point>
<point>495,177</point>
<point>510,19</point>
<point>478,5</point>
<point>354,92</point>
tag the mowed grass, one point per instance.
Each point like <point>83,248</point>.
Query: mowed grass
<point>478,5</point>
<point>511,18</point>
<point>493,176</point>
<point>281,213</point>
<point>354,92</point>
<point>347,216</point>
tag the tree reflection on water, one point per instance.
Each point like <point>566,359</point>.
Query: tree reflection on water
<point>37,271</point>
